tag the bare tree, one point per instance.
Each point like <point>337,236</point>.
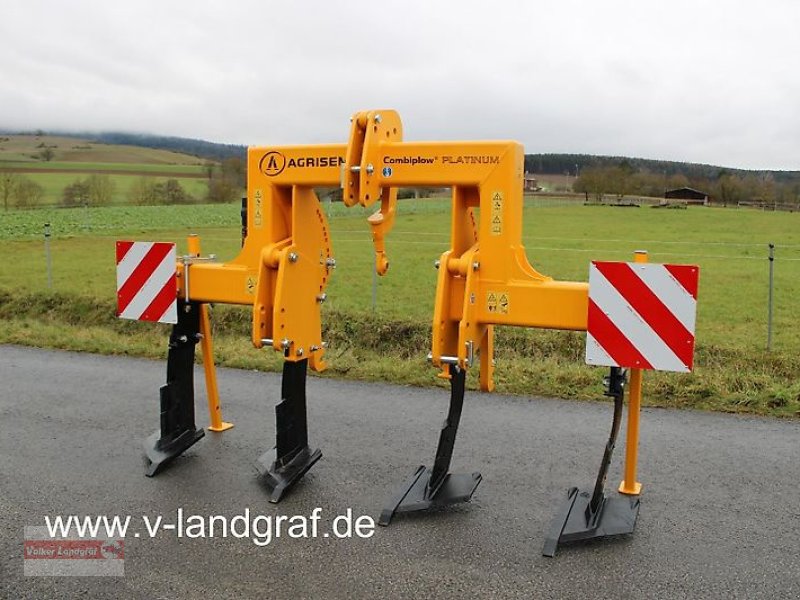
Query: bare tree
<point>28,193</point>
<point>101,189</point>
<point>75,194</point>
<point>8,185</point>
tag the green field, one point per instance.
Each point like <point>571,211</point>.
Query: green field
<point>75,159</point>
<point>733,370</point>
<point>196,170</point>
<point>53,185</point>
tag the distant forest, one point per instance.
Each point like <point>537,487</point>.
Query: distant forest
<point>599,176</point>
<point>201,148</point>
<point>534,163</point>
<point>594,175</point>
<point>569,163</point>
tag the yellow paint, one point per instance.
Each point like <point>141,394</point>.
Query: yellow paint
<point>283,267</point>
<point>288,242</point>
<point>381,223</point>
<point>193,245</point>
<point>206,345</point>
<point>629,484</point>
<point>212,391</point>
<point>486,260</point>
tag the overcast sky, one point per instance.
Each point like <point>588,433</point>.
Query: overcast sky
<point>701,81</point>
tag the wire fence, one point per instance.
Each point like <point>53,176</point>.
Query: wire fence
<point>769,271</point>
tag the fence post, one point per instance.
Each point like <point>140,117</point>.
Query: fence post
<point>47,255</point>
<point>771,282</point>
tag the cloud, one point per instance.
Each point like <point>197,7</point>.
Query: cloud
<point>684,80</point>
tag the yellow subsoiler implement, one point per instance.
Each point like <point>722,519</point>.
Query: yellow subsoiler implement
<point>484,279</point>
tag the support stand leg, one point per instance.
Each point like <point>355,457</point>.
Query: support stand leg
<point>284,465</point>
<point>212,391</point>
<point>178,430</point>
<point>429,488</point>
<point>584,516</point>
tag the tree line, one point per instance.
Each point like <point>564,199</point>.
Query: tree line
<point>550,163</point>
<point>225,182</point>
<point>724,187</point>
<point>595,176</point>
<point>574,164</point>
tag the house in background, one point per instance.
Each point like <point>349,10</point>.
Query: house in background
<point>689,195</point>
<point>530,184</point>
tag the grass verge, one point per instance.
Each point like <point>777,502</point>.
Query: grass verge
<point>369,347</point>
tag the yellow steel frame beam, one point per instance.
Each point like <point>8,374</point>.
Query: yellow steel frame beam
<point>485,278</point>
<point>284,265</point>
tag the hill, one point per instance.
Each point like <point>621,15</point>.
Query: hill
<point>117,152</point>
<point>50,148</point>
<point>195,147</point>
<point>38,170</point>
<point>178,150</point>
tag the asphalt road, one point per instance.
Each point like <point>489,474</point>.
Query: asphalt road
<point>720,514</point>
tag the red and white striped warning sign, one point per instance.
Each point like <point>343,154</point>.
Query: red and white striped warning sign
<point>146,284</point>
<point>642,315</point>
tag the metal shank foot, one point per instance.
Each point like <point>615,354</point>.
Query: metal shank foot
<point>434,487</point>
<point>575,522</point>
<point>415,495</point>
<point>159,454</point>
<point>280,479</point>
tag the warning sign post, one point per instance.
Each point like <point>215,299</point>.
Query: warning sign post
<point>641,316</point>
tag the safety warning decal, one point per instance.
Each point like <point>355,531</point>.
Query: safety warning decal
<point>258,202</point>
<point>250,285</point>
<point>497,213</point>
<point>497,302</point>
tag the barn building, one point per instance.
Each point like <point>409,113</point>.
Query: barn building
<point>690,195</point>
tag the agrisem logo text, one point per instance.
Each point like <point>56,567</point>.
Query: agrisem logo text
<point>273,163</point>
